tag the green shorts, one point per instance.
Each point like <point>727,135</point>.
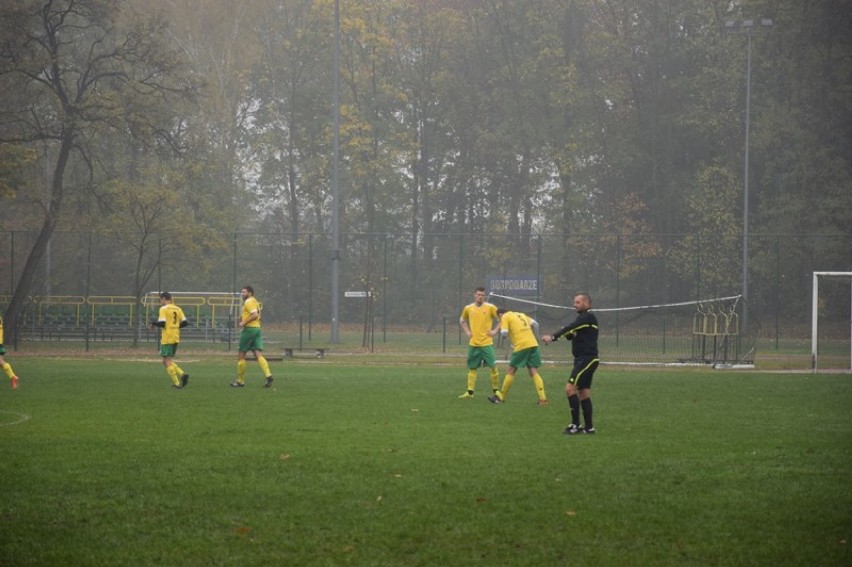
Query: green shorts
<point>2,349</point>
<point>168,351</point>
<point>481,356</point>
<point>250,339</point>
<point>526,358</point>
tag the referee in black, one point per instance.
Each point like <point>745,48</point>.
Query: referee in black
<point>583,334</point>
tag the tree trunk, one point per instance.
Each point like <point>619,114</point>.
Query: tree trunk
<point>51,218</point>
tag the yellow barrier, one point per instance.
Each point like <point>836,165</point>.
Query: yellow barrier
<point>44,302</point>
<point>195,299</point>
<point>128,300</point>
<point>151,302</point>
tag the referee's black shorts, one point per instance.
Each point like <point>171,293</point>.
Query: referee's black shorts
<point>583,372</point>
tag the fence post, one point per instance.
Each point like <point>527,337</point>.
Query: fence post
<point>777,291</point>
<point>385,292</point>
<point>12,266</point>
<point>88,287</point>
<point>231,313</point>
<point>444,321</point>
<point>697,266</point>
<point>461,277</point>
<point>617,286</point>
<point>310,283</point>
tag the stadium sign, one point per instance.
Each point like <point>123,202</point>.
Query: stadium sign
<point>515,285</point>
<point>356,294</point>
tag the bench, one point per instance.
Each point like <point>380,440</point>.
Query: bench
<point>318,352</point>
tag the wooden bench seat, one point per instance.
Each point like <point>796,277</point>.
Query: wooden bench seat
<point>318,352</point>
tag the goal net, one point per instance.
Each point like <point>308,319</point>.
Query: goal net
<point>702,332</point>
<point>831,321</point>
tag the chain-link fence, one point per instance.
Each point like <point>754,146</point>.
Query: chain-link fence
<point>422,283</point>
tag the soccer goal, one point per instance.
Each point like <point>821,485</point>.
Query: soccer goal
<point>831,321</point>
<point>705,332</point>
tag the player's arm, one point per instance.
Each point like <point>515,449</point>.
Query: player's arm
<point>464,324</point>
<point>160,321</point>
<point>567,331</point>
<point>253,316</point>
<point>536,329</point>
<point>501,328</point>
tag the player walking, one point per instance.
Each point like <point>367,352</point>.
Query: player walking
<point>583,334</point>
<point>171,320</point>
<point>250,339</point>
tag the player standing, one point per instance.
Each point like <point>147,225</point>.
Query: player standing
<point>583,334</point>
<point>520,328</point>
<point>171,320</point>
<point>7,368</point>
<point>250,339</point>
<point>477,319</point>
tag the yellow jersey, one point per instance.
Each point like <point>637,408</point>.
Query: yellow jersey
<point>251,305</point>
<point>1,330</point>
<point>172,315</point>
<point>480,319</point>
<point>519,327</point>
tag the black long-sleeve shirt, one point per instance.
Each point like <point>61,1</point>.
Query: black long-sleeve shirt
<point>583,334</point>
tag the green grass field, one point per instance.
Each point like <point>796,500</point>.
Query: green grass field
<point>352,462</point>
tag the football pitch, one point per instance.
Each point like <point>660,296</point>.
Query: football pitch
<point>353,462</point>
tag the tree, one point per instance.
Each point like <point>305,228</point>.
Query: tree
<point>157,223</point>
<point>71,63</point>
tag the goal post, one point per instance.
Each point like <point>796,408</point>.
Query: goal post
<point>815,316</point>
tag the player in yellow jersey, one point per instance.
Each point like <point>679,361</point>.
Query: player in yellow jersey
<point>477,319</point>
<point>520,328</point>
<point>170,321</point>
<point>250,339</point>
<point>7,368</point>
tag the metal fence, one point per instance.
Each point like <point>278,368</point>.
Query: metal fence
<point>422,283</point>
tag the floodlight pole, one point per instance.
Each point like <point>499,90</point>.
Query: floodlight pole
<point>748,27</point>
<point>335,222</point>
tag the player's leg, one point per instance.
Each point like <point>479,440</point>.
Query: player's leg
<point>533,362</point>
<point>167,352</point>
<point>490,357</point>
<point>241,368</point>
<point>183,376</point>
<point>245,346</point>
<point>586,406</point>
<point>573,398</point>
<point>500,395</point>
<point>264,366</point>
<point>539,387</point>
<point>172,372</point>
<point>473,361</point>
<point>7,368</point>
<point>585,393</point>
